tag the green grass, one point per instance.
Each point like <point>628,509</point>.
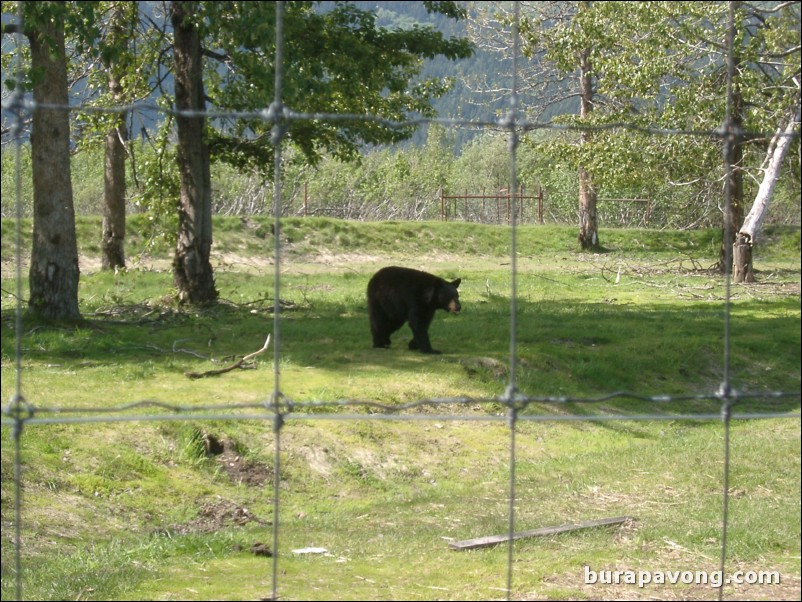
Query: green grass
<point>138,510</point>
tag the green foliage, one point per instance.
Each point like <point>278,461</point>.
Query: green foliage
<point>11,157</point>
<point>337,61</point>
<point>644,81</point>
<point>126,60</point>
<point>673,79</point>
<point>158,186</point>
<point>401,183</point>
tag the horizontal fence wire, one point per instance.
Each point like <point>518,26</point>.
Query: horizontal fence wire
<point>281,410</point>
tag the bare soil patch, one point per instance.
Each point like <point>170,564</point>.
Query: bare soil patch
<point>218,514</point>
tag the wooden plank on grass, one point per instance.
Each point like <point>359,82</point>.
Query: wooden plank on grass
<point>492,540</point>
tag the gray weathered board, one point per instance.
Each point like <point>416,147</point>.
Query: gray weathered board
<point>491,540</point>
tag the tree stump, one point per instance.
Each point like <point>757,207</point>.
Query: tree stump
<point>742,270</point>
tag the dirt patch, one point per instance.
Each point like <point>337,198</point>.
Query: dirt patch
<point>238,469</point>
<point>218,514</point>
<point>318,459</point>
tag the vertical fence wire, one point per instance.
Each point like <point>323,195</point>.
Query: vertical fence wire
<point>729,139</point>
<point>512,387</point>
<point>18,401</point>
<point>20,412</point>
<point>277,136</point>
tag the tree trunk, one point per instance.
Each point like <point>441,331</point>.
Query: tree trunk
<point>192,269</point>
<point>54,273</point>
<point>734,212</point>
<point>113,241</point>
<point>747,236</point>
<point>588,222</point>
<point>733,147</point>
<point>742,270</point>
<point>113,237</point>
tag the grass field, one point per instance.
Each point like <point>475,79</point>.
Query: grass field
<point>140,505</point>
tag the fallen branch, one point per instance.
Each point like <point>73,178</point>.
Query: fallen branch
<point>238,364</point>
<point>491,540</point>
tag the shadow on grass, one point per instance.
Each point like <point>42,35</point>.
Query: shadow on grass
<point>565,350</point>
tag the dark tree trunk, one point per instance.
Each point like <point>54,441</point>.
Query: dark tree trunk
<point>54,273</point>
<point>734,212</point>
<point>113,236</point>
<point>113,242</point>
<point>733,149</point>
<point>192,269</point>
<point>588,223</point>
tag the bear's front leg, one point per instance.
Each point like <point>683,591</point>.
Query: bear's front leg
<point>413,344</point>
<point>419,322</point>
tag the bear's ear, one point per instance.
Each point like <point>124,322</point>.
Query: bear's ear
<point>455,283</point>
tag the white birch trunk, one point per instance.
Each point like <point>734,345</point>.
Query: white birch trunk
<point>775,155</point>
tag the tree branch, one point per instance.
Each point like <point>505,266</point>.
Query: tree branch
<point>238,364</point>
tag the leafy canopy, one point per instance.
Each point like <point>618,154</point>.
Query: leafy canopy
<point>663,65</point>
<point>337,61</point>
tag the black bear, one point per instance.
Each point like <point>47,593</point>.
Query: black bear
<point>397,295</point>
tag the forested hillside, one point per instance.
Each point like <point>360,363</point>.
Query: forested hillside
<point>472,78</point>
<point>480,84</point>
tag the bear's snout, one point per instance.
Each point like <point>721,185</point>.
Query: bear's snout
<point>454,307</point>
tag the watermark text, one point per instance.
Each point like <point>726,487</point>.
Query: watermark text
<point>711,578</point>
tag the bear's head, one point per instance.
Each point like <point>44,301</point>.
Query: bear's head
<point>448,297</point>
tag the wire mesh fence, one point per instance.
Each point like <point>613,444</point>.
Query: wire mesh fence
<point>282,412</point>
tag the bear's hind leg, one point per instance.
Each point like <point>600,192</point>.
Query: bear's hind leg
<point>381,342</point>
<point>379,331</point>
<point>419,324</point>
<point>381,327</point>
<point>381,337</point>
